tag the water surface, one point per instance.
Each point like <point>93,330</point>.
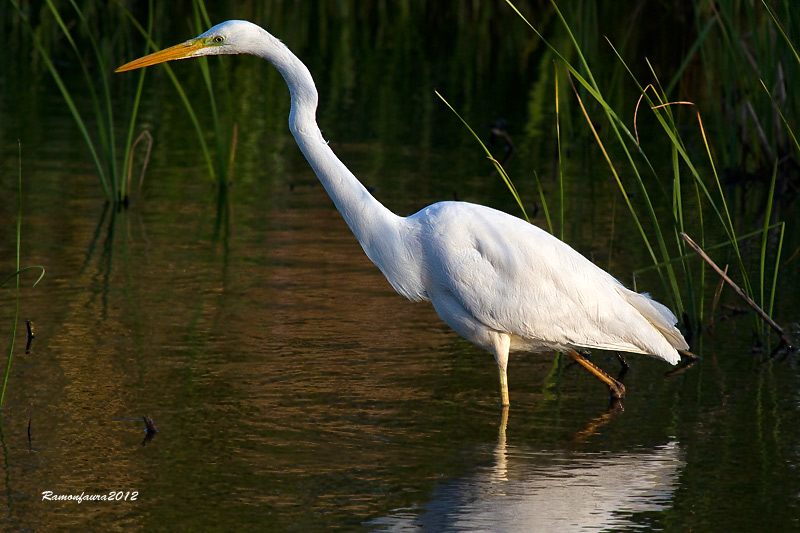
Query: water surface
<point>291,387</point>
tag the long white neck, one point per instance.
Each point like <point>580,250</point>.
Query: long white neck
<point>383,235</point>
<point>361,211</point>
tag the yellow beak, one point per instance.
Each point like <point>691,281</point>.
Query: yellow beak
<point>179,51</point>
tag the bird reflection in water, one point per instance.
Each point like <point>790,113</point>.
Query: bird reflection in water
<point>533,490</point>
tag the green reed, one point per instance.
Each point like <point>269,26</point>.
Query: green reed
<point>97,129</point>
<point>16,275</point>
<point>222,171</point>
<point>94,56</point>
<point>494,161</point>
<point>694,190</point>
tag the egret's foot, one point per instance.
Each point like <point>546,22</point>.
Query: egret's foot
<point>616,401</point>
<point>617,389</point>
<point>689,355</point>
<point>616,405</point>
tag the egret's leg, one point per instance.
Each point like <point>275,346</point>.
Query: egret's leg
<point>503,386</point>
<point>623,362</point>
<point>624,366</point>
<point>501,344</point>
<point>617,388</point>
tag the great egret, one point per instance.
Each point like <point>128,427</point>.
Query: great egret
<point>498,281</point>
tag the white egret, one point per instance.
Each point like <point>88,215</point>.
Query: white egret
<point>498,281</point>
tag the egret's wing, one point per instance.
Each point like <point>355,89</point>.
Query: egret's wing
<point>518,279</point>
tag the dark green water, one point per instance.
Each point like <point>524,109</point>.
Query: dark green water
<point>291,387</point>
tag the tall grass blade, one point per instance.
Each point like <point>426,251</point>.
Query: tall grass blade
<point>718,246</point>
<point>765,233</point>
<point>200,11</point>
<point>16,275</point>
<point>107,136</point>
<point>179,88</point>
<point>707,193</point>
<point>671,280</point>
<point>497,165</point>
<point>130,144</point>
<point>690,55</point>
<point>775,272</point>
<point>789,128</point>
<point>560,154</point>
<point>69,101</point>
<point>544,202</point>
<point>781,30</point>
<point>621,132</point>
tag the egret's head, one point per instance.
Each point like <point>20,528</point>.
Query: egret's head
<point>231,37</point>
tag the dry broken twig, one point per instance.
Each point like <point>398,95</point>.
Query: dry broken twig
<point>784,337</point>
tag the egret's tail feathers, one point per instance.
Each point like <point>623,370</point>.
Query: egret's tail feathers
<point>663,320</point>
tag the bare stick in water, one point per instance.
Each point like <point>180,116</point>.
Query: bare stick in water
<point>739,291</point>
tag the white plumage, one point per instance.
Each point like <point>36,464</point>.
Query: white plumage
<point>498,281</point>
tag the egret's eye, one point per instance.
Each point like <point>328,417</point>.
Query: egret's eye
<point>219,39</point>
